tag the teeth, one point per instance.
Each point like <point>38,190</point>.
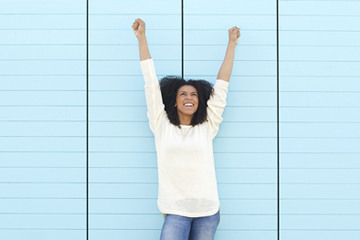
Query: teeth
<point>188,104</point>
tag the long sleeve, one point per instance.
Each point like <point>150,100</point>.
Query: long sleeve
<point>155,107</point>
<point>216,105</point>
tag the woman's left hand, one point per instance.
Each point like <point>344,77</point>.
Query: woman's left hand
<point>234,34</point>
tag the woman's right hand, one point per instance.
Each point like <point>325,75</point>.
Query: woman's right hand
<point>139,28</point>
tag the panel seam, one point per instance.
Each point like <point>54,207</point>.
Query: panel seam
<point>278,118</point>
<point>87,119</point>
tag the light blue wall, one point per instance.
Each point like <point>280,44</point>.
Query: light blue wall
<point>42,120</point>
<point>320,119</point>
<point>43,116</point>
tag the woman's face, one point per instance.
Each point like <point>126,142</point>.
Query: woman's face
<point>187,101</point>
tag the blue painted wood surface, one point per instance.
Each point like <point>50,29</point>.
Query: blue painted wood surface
<point>43,116</point>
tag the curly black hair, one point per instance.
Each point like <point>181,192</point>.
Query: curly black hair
<point>169,87</point>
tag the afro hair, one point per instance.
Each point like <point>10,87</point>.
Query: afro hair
<point>170,85</point>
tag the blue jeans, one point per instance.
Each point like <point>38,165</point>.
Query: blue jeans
<point>186,228</point>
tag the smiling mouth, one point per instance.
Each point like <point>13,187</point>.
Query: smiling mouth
<point>188,105</point>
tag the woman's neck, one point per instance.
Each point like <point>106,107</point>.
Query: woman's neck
<point>184,119</point>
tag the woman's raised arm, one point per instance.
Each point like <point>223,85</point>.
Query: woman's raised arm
<point>227,65</point>
<point>139,31</point>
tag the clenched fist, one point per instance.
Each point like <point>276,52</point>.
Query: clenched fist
<point>139,28</point>
<point>234,34</point>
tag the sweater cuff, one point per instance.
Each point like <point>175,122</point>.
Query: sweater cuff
<point>147,62</point>
<point>222,83</point>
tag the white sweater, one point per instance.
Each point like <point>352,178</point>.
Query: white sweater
<point>186,170</point>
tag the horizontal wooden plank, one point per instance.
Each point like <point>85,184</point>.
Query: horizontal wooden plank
<point>125,68</point>
<point>319,234</point>
<point>43,159</point>
<point>245,234</point>
<point>230,7</point>
<point>244,53</point>
<point>320,99</point>
<point>39,37</point>
<point>122,144</point>
<point>36,22</point>
<point>37,52</point>
<point>319,114</point>
<point>68,98</point>
<point>306,7</point>
<point>323,206</point>
<point>43,7</point>
<point>43,190</point>
<point>226,21</point>
<point>154,21</point>
<point>119,37</point>
<point>15,234</point>
<point>127,7</point>
<point>245,145</point>
<point>217,37</point>
<point>320,145</point>
<point>40,175</point>
<point>318,38</point>
<point>43,113</point>
<point>247,68</point>
<point>49,129</point>
<point>127,190</point>
<point>44,67</point>
<point>318,222</point>
<point>43,144</point>
<point>317,53</point>
<point>43,221</point>
<point>267,176</point>
<point>303,160</point>
<point>120,160</point>
<point>42,206</point>
<point>319,191</point>
<point>319,23</point>
<point>321,84</point>
<point>249,222</point>
<point>125,233</point>
<point>323,130</point>
<point>31,83</point>
<point>124,52</point>
<point>118,113</point>
<point>314,69</point>
<point>128,221</point>
<point>351,176</point>
<point>242,129</point>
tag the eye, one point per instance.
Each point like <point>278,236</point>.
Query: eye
<point>194,94</point>
<point>182,93</point>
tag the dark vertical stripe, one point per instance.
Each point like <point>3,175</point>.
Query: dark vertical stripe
<point>182,38</point>
<point>87,119</point>
<point>278,118</point>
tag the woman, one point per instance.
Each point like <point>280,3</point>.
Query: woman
<point>184,117</point>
